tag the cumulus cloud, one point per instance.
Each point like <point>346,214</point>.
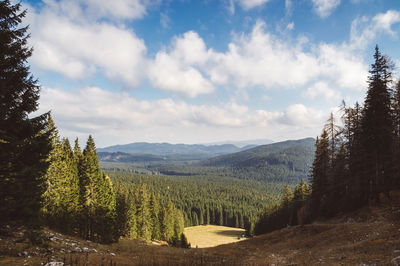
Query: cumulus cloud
<point>324,8</point>
<point>105,114</point>
<point>168,73</point>
<point>78,49</point>
<point>300,115</point>
<point>260,59</point>
<point>364,29</point>
<point>178,69</point>
<point>321,89</point>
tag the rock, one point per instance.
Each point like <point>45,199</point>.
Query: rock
<point>94,250</point>
<point>54,263</point>
<point>395,260</point>
<point>85,249</point>
<point>25,253</point>
<point>77,249</point>
<point>112,254</point>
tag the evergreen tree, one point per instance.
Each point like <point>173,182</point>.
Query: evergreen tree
<point>287,197</point>
<point>61,197</point>
<point>377,127</point>
<point>167,225</point>
<point>154,206</point>
<point>320,171</point>
<point>143,214</point>
<point>122,209</point>
<point>132,220</point>
<point>24,141</point>
<point>105,211</point>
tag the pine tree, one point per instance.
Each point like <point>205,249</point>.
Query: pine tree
<point>105,211</point>
<point>154,206</point>
<point>143,214</point>
<point>122,209</point>
<point>132,220</point>
<point>287,197</point>
<point>377,127</point>
<point>90,174</point>
<point>320,171</point>
<point>24,141</point>
<point>167,224</point>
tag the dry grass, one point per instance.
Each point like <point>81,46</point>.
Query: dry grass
<point>369,236</point>
<point>205,236</point>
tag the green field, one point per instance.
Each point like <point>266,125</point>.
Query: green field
<point>205,236</point>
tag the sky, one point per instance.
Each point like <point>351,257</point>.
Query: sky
<point>191,71</point>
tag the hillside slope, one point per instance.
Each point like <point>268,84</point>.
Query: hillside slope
<point>369,236</point>
<point>168,149</point>
<point>261,154</point>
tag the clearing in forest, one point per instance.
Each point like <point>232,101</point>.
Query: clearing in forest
<point>205,236</point>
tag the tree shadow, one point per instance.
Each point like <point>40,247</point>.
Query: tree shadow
<point>231,233</point>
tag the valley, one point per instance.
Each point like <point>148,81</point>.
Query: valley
<point>205,236</point>
<point>225,190</point>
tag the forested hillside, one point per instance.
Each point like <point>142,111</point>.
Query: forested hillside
<point>354,162</point>
<point>207,199</point>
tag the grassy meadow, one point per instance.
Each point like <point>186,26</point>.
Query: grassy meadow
<point>205,236</point>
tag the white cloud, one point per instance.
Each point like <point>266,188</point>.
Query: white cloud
<point>364,30</point>
<point>95,9</point>
<point>108,114</point>
<point>177,70</point>
<point>262,60</point>
<point>168,73</point>
<point>165,20</point>
<point>79,49</point>
<point>231,6</point>
<point>249,4</point>
<point>290,26</point>
<point>300,115</point>
<point>321,89</point>
<point>384,21</point>
<point>288,7</point>
<point>324,8</point>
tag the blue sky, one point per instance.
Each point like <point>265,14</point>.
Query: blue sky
<point>204,71</point>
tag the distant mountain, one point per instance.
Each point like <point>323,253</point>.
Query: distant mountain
<point>243,143</point>
<point>169,149</point>
<point>128,158</point>
<point>288,160</point>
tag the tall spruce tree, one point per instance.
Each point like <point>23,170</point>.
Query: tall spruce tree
<point>61,197</point>
<point>154,206</point>
<point>377,128</point>
<point>24,141</point>
<point>143,214</point>
<point>320,172</point>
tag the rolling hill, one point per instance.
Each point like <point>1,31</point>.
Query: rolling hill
<point>287,161</point>
<point>169,149</point>
<point>280,152</point>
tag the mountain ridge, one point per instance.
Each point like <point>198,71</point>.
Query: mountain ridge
<point>168,149</point>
